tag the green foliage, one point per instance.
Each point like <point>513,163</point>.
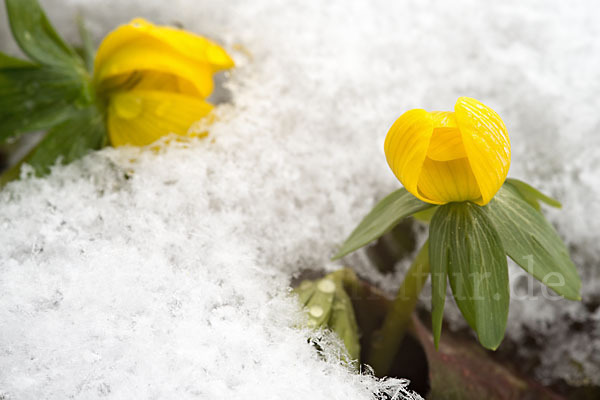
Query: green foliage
<point>465,246</point>
<point>36,36</point>
<point>66,142</point>
<point>532,195</point>
<point>343,322</point>
<point>7,61</point>
<point>53,92</point>
<point>386,214</point>
<point>37,98</point>
<point>329,306</point>
<point>440,236</point>
<point>88,48</point>
<point>469,245</point>
<point>531,241</point>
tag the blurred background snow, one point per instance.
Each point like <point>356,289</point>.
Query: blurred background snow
<point>164,274</point>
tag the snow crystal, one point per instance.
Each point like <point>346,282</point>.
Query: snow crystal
<point>137,275</point>
<point>163,274</point>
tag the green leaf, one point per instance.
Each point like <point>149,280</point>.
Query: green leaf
<point>69,140</point>
<point>343,321</point>
<point>532,195</point>
<point>36,36</point>
<point>386,214</point>
<point>329,306</point>
<point>36,98</point>
<point>320,303</point>
<point>305,291</point>
<point>425,215</point>
<point>88,48</point>
<point>531,241</point>
<point>7,62</point>
<point>464,242</point>
<point>440,235</point>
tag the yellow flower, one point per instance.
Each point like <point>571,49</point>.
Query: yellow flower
<point>155,80</point>
<point>442,156</point>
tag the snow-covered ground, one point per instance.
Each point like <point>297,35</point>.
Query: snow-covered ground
<point>141,274</point>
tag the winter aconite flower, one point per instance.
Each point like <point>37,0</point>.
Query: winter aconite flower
<point>155,80</point>
<point>442,156</point>
<point>453,166</point>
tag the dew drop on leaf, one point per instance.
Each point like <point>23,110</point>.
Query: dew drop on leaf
<point>316,311</point>
<point>326,286</point>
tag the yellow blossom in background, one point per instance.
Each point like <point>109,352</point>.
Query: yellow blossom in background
<point>443,156</point>
<point>155,80</point>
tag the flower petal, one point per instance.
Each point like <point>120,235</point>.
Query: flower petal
<point>446,143</point>
<point>486,143</point>
<point>149,80</point>
<point>186,43</point>
<point>140,117</point>
<point>145,55</point>
<point>448,181</point>
<point>406,147</point>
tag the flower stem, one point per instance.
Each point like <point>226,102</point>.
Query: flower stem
<point>387,340</point>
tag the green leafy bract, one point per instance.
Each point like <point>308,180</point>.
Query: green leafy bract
<point>7,61</point>
<point>69,140</point>
<point>36,36</point>
<point>52,93</point>
<point>531,241</point>
<point>531,194</point>
<point>37,98</point>
<point>386,214</point>
<point>464,245</point>
<point>88,48</point>
<point>440,238</point>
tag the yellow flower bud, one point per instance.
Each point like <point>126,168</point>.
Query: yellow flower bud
<point>443,157</point>
<point>155,80</point>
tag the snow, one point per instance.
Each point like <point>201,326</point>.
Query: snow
<point>164,274</point>
<point>152,286</point>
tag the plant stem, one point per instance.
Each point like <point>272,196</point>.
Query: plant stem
<point>387,340</point>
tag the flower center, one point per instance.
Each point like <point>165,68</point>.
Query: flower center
<point>446,144</point>
<point>446,174</point>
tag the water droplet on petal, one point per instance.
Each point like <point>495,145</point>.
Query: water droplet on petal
<point>162,108</point>
<point>139,23</point>
<point>27,35</point>
<point>128,107</point>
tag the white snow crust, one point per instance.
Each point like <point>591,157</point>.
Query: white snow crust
<point>164,274</point>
